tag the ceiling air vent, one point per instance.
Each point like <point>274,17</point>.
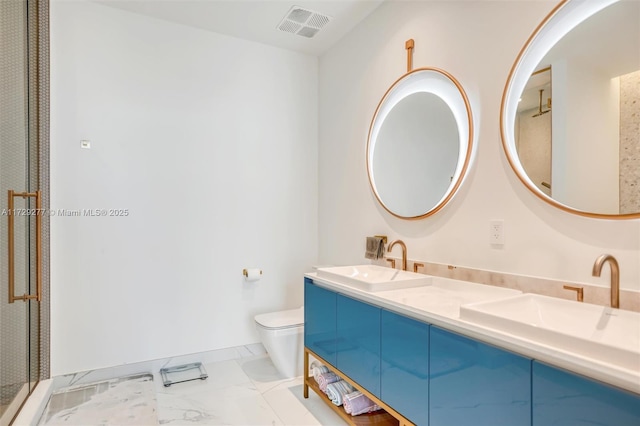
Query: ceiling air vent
<point>303,22</point>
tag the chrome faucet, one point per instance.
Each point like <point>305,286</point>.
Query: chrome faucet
<point>615,276</point>
<point>404,252</point>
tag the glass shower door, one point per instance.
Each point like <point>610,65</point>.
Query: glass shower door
<point>20,276</point>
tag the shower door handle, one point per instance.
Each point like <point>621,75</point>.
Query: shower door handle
<point>10,235</point>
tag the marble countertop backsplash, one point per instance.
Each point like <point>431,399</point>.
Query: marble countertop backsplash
<point>597,295</point>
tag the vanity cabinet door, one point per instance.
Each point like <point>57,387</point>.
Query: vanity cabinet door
<point>563,398</point>
<point>475,384</point>
<point>358,342</point>
<point>404,379</point>
<point>320,321</point>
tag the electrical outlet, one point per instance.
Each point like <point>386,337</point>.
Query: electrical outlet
<point>496,232</point>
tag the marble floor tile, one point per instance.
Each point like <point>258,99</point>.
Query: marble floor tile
<point>123,401</point>
<point>246,391</point>
<point>232,405</point>
<point>287,401</point>
<point>262,373</point>
<point>285,395</point>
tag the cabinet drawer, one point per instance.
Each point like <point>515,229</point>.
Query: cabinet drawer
<point>404,379</point>
<point>475,384</point>
<point>320,321</point>
<point>358,342</point>
<point>564,398</point>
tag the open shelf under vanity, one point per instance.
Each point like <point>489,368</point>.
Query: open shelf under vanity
<point>385,417</point>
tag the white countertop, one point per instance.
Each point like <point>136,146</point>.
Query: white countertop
<point>440,306</point>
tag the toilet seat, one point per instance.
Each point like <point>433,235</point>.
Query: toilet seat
<point>281,320</point>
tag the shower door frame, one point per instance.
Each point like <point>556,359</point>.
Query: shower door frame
<point>37,58</point>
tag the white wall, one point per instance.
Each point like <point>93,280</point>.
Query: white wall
<point>211,143</point>
<point>477,41</point>
<point>586,157</point>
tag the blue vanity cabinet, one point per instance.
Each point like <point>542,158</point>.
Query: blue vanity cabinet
<point>404,377</point>
<point>358,342</point>
<point>564,398</point>
<point>475,384</point>
<point>320,321</point>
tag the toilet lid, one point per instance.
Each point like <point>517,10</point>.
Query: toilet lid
<point>282,319</point>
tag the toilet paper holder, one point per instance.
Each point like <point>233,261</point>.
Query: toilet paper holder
<point>245,272</point>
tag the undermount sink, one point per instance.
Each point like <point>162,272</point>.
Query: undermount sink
<point>598,332</point>
<point>373,277</point>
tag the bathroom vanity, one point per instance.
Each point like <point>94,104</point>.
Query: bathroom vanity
<point>410,350</point>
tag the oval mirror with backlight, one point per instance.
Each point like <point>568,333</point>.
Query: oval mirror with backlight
<point>419,143</point>
<point>570,114</point>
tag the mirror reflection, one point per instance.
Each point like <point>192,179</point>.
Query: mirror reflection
<point>419,143</point>
<point>581,146</point>
<point>533,129</point>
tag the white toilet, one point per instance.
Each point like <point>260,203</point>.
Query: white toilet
<point>282,334</point>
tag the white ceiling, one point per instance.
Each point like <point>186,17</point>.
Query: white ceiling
<point>256,20</point>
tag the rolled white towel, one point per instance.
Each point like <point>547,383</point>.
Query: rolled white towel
<point>317,369</point>
<point>337,390</point>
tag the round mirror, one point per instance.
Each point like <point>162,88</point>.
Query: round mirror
<point>419,143</point>
<point>570,118</point>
